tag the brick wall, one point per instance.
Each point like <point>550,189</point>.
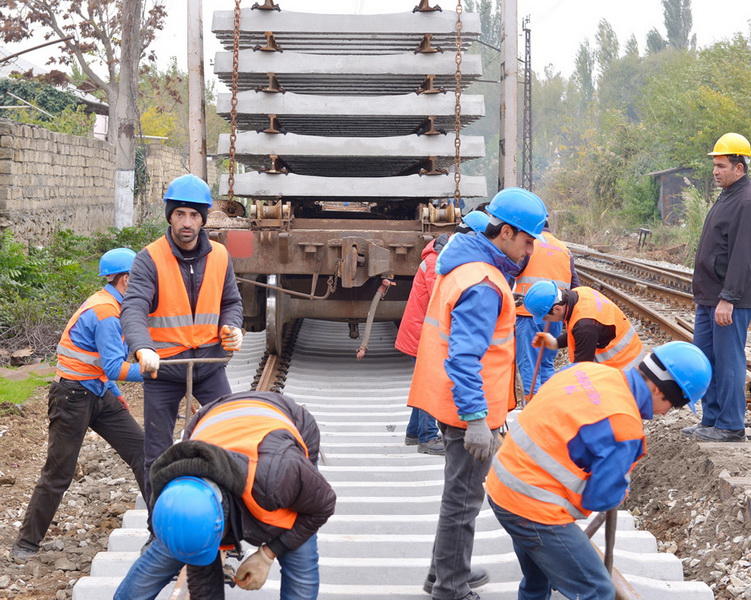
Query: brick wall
<point>51,181</point>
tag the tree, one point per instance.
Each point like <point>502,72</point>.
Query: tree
<point>678,22</point>
<point>632,47</point>
<point>607,46</point>
<point>108,35</point>
<point>583,72</point>
<point>655,42</point>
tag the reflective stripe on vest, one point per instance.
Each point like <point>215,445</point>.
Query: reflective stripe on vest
<point>431,388</point>
<point>241,426</point>
<point>550,261</point>
<point>621,345</point>
<point>74,362</point>
<point>173,326</point>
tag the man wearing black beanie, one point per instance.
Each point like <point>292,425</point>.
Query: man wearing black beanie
<point>182,302</point>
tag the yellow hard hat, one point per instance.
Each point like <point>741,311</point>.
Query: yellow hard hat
<point>731,143</point>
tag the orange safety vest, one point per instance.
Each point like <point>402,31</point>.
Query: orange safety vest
<point>173,326</point>
<point>533,475</point>
<point>431,386</point>
<point>550,261</point>
<point>625,350</point>
<point>240,426</point>
<point>74,362</point>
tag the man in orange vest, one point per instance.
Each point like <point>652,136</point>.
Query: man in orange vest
<point>570,452</point>
<point>464,374</point>
<point>550,261</point>
<point>596,329</point>
<point>90,356</point>
<point>182,302</point>
<point>246,472</point>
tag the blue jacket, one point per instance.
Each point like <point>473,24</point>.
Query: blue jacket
<point>105,337</point>
<point>473,320</point>
<point>595,450</point>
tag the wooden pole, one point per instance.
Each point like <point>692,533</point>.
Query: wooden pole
<point>196,98</point>
<point>509,102</point>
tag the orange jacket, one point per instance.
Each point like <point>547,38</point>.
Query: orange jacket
<point>431,388</point>
<point>550,260</point>
<point>533,475</point>
<point>172,326</point>
<point>74,362</point>
<point>625,350</point>
<point>240,426</point>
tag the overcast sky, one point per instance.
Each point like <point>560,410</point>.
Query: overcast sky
<point>558,26</point>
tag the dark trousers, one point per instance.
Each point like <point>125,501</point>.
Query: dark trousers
<point>463,495</point>
<point>161,401</point>
<point>72,409</point>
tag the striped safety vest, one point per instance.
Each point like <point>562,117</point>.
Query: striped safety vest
<point>240,426</point>
<point>533,475</point>
<point>431,386</point>
<point>74,362</point>
<point>625,350</point>
<point>550,261</point>
<point>173,326</point>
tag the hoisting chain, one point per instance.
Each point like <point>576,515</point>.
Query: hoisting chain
<point>458,108</point>
<point>233,103</point>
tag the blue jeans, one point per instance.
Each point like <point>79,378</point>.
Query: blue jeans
<point>422,426</point>
<point>557,557</point>
<point>156,567</point>
<point>724,404</point>
<point>526,355</point>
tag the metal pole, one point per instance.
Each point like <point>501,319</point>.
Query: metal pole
<point>509,102</point>
<point>527,112</point>
<point>196,99</point>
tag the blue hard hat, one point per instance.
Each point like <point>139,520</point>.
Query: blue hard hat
<point>540,298</point>
<point>117,260</point>
<point>520,208</point>
<point>688,366</point>
<point>189,188</point>
<point>476,220</point>
<point>188,518</point>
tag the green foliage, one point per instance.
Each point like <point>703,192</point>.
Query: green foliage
<point>678,22</point>
<point>17,392</point>
<point>42,95</point>
<point>639,194</point>
<point>696,209</point>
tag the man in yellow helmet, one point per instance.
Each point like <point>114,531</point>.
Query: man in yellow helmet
<point>722,292</point>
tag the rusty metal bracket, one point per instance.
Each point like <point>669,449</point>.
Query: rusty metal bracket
<point>424,6</point>
<point>271,44</point>
<point>427,127</point>
<point>277,166</point>
<point>428,86</point>
<point>432,168</point>
<point>267,5</point>
<point>273,86</point>
<point>426,45</point>
<point>274,126</point>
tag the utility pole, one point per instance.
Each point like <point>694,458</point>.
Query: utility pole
<point>196,96</point>
<point>509,141</point>
<point>527,124</point>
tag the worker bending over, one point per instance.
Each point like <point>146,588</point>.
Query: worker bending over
<point>464,374</point>
<point>596,329</point>
<point>246,472</point>
<point>182,302</point>
<point>90,355</point>
<point>570,452</point>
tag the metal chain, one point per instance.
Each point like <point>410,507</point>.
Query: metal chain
<point>233,103</point>
<point>458,107</point>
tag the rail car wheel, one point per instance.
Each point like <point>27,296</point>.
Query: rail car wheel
<point>275,302</point>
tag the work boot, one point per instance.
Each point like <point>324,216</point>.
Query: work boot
<point>477,577</point>
<point>715,434</point>
<point>20,554</point>
<point>410,440</point>
<point>689,431</point>
<point>434,446</point>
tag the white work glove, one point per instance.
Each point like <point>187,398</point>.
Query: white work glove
<point>479,441</point>
<point>252,573</point>
<point>148,361</point>
<point>543,338</point>
<point>232,338</point>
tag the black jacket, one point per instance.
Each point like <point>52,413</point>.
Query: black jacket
<point>722,269</point>
<point>143,293</point>
<point>589,334</point>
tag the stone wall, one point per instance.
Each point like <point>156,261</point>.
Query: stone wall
<point>51,181</point>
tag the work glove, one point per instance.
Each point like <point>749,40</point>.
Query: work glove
<point>232,338</point>
<point>479,441</point>
<point>148,361</point>
<point>544,339</point>
<point>252,573</point>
